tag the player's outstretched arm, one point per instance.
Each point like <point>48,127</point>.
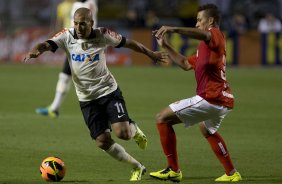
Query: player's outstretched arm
<point>175,56</point>
<point>154,55</point>
<point>189,31</point>
<point>37,50</point>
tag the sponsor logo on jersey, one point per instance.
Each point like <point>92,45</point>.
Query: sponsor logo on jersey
<point>85,57</point>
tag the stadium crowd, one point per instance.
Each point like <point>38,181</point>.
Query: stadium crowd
<point>19,27</point>
<point>140,13</point>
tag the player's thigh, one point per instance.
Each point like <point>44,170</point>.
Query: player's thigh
<point>116,109</point>
<point>95,118</point>
<point>118,116</point>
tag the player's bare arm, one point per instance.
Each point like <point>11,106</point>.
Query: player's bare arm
<point>189,31</point>
<point>154,55</point>
<point>38,50</point>
<point>176,57</point>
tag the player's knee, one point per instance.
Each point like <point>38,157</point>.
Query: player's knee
<point>104,145</point>
<point>160,117</point>
<point>124,134</point>
<point>104,142</point>
<point>204,130</point>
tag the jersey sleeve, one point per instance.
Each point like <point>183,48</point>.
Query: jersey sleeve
<point>216,38</point>
<point>112,38</point>
<point>59,39</point>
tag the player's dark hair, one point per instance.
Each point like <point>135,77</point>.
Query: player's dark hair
<point>211,10</point>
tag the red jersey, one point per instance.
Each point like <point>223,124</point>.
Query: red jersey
<point>209,64</point>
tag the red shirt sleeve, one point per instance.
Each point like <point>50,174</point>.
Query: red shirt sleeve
<point>217,38</point>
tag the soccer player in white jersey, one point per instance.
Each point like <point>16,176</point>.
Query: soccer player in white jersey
<point>101,100</point>
<point>64,80</point>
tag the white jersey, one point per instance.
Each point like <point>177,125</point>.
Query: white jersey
<point>90,4</point>
<point>91,76</point>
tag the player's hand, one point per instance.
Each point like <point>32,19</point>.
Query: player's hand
<point>31,54</point>
<point>161,32</point>
<point>160,41</point>
<point>160,56</point>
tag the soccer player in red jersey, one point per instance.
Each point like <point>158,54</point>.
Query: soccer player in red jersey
<point>213,101</point>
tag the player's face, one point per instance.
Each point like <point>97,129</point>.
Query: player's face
<point>202,21</point>
<point>82,26</point>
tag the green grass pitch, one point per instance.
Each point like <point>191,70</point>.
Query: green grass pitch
<point>252,131</point>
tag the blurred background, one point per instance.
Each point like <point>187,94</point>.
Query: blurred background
<point>253,129</point>
<point>252,27</point>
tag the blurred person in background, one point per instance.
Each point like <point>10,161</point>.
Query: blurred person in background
<point>238,23</point>
<point>65,19</point>
<point>136,13</point>
<point>64,14</point>
<point>269,24</point>
<point>101,101</point>
<point>152,20</point>
<point>186,12</point>
<point>214,99</point>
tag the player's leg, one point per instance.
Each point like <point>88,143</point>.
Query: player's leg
<point>209,131</point>
<point>116,151</point>
<point>127,130</point>
<point>62,88</point>
<point>123,131</point>
<point>138,135</point>
<point>165,121</point>
<point>123,126</point>
<point>96,115</point>
<point>186,111</point>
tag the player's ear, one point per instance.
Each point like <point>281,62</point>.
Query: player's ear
<point>211,21</point>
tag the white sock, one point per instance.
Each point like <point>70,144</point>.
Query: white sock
<point>118,152</point>
<point>62,88</point>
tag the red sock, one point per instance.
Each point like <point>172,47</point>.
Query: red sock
<point>168,141</point>
<point>219,148</point>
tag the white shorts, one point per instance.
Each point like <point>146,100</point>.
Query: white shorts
<point>196,109</point>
